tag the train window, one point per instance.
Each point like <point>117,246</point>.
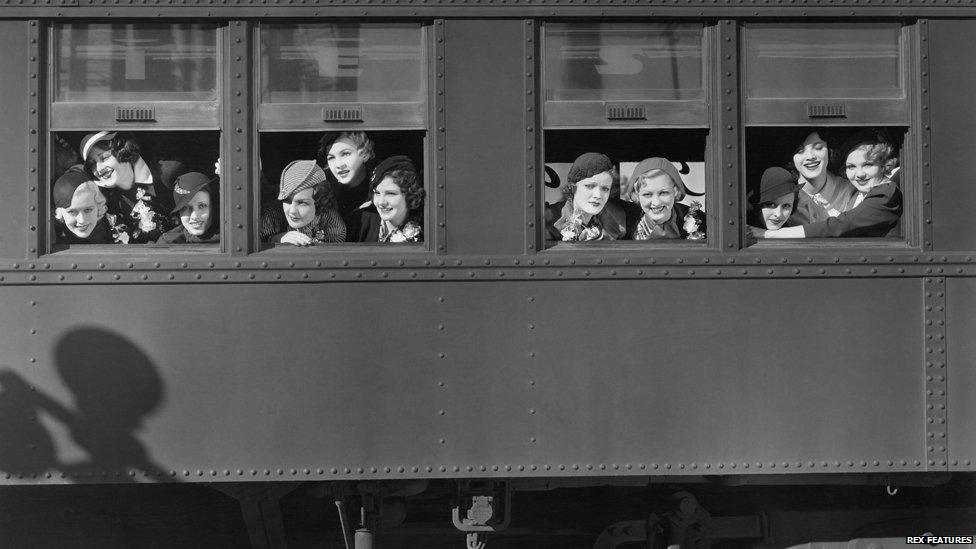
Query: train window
<point>151,187</point>
<point>365,74</point>
<point>809,182</point>
<point>343,119</point>
<point>851,71</point>
<point>626,130</point>
<point>624,74</point>
<point>107,73</point>
<point>342,186</point>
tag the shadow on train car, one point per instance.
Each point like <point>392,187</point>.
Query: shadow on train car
<point>114,386</point>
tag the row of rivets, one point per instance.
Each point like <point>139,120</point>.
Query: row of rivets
<point>35,175</point>
<point>727,101</point>
<point>935,372</point>
<point>440,137</point>
<point>554,273</point>
<point>236,171</point>
<point>533,192</point>
<point>925,134</point>
<point>948,264</point>
<point>443,394</point>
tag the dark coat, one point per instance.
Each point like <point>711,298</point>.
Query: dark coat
<point>101,234</point>
<point>179,235</point>
<point>678,214</point>
<point>618,216</point>
<point>159,198</point>
<point>369,230</point>
<point>875,216</point>
<point>349,202</point>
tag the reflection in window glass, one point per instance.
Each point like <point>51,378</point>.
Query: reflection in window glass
<point>127,62</point>
<point>617,61</point>
<point>341,63</point>
<point>842,60</point>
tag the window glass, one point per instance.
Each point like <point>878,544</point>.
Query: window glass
<point>150,187</point>
<point>316,188</point>
<point>130,62</point>
<point>623,61</point>
<point>840,60</point>
<point>808,182</point>
<point>349,62</point>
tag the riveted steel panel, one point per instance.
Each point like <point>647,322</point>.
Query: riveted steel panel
<point>486,150</point>
<point>960,372</point>
<point>351,380</point>
<point>14,129</point>
<point>953,129</point>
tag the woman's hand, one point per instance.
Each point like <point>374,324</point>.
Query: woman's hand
<point>296,238</point>
<point>756,232</point>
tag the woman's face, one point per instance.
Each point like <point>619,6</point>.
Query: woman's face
<point>656,197</point>
<point>390,202</point>
<point>111,172</point>
<point>592,193</point>
<point>776,213</point>
<point>82,214</point>
<point>810,158</point>
<point>195,216</point>
<point>299,208</point>
<point>862,171</point>
<point>346,162</point>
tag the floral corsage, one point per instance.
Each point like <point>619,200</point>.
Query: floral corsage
<point>694,222</point>
<point>145,214</point>
<point>574,230</point>
<point>409,232</point>
<point>120,233</point>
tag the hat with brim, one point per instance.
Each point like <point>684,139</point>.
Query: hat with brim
<point>776,183</point>
<point>89,141</point>
<point>298,176</point>
<point>658,163</point>
<point>393,163</point>
<point>66,185</point>
<point>187,186</point>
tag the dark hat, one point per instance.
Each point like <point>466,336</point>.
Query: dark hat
<point>658,163</point>
<point>187,186</point>
<point>91,139</point>
<point>393,163</point>
<point>866,136</point>
<point>66,185</point>
<point>298,176</point>
<point>775,183</point>
<point>587,165</point>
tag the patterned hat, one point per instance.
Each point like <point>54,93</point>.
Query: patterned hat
<point>587,165</point>
<point>66,185</point>
<point>775,183</point>
<point>663,164</point>
<point>298,176</point>
<point>92,138</point>
<point>187,186</point>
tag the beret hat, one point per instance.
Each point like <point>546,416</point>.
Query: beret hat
<point>399,162</point>
<point>66,185</point>
<point>187,186</point>
<point>658,163</point>
<point>587,165</point>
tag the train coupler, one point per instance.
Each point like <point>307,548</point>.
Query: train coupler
<point>486,507</point>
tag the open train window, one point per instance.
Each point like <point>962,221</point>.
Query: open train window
<point>342,104</point>
<point>622,98</point>
<point>828,113</point>
<point>117,187</point>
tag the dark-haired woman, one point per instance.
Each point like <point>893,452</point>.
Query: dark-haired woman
<point>347,156</point>
<point>822,194</point>
<point>134,192</point>
<point>397,212</point>
<point>589,213</point>
<point>196,197</point>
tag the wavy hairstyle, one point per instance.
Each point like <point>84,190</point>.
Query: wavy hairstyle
<point>410,185</point>
<point>359,139</point>
<point>123,147</point>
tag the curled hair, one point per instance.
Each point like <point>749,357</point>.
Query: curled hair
<point>570,189</point>
<point>101,208</point>
<point>359,139</point>
<point>123,147</point>
<point>410,185</point>
<point>878,148</point>
<point>828,136</point>
<point>679,190</point>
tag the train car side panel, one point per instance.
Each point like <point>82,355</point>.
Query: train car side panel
<point>961,364</point>
<point>14,131</point>
<point>486,209</point>
<point>346,380</point>
<point>953,132</point>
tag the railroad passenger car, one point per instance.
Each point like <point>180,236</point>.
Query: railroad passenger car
<point>488,375</point>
